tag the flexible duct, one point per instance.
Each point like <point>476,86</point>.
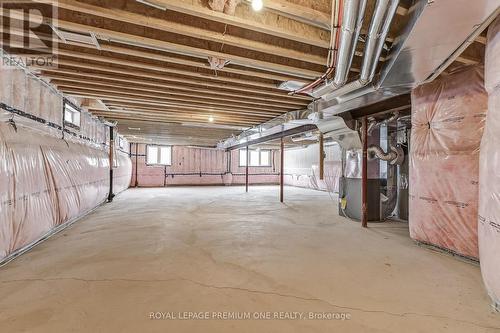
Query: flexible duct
<point>394,156</point>
<point>379,28</point>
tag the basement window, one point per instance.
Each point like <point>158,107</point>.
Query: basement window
<point>159,155</point>
<point>258,157</point>
<point>71,115</point>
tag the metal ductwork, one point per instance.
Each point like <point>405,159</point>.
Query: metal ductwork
<point>377,33</point>
<point>353,15</point>
<point>436,33</point>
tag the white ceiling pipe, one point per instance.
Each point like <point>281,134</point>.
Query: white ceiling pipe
<point>349,33</point>
<point>352,21</point>
<point>384,13</point>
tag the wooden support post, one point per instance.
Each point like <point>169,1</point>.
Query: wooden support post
<point>364,175</point>
<point>282,171</point>
<point>321,157</point>
<point>246,168</point>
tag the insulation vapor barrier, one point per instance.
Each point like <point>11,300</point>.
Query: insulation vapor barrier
<point>46,181</point>
<point>199,166</point>
<point>302,168</point>
<point>448,121</point>
<point>489,196</point>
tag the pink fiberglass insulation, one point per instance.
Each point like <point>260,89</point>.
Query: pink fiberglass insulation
<point>448,120</point>
<point>199,166</point>
<point>489,182</point>
<point>257,175</point>
<point>46,182</point>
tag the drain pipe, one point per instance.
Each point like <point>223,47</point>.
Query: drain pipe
<point>352,21</point>
<point>377,34</point>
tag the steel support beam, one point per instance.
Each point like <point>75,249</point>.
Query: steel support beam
<point>364,175</point>
<point>282,171</point>
<point>111,161</point>
<point>321,157</point>
<point>136,164</point>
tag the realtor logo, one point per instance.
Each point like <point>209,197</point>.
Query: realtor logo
<point>27,33</point>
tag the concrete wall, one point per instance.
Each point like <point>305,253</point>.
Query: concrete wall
<point>199,166</point>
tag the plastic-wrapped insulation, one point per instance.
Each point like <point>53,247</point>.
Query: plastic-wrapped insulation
<point>50,173</point>
<point>448,119</point>
<point>489,182</point>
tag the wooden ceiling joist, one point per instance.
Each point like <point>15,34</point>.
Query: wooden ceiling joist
<point>307,14</point>
<point>174,89</point>
<point>154,68</point>
<point>127,98</point>
<point>187,30</point>
<point>148,115</point>
<point>202,117</point>
<point>278,27</point>
<point>168,94</point>
<point>73,49</point>
<point>177,114</point>
<point>201,64</point>
<point>169,99</point>
<point>122,37</point>
<point>90,69</point>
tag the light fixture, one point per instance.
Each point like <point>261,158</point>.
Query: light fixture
<point>257,5</point>
<point>211,119</point>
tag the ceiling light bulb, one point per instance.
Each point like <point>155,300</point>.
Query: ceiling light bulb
<point>211,119</point>
<point>257,5</point>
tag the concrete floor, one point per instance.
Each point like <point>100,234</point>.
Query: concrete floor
<point>216,249</point>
